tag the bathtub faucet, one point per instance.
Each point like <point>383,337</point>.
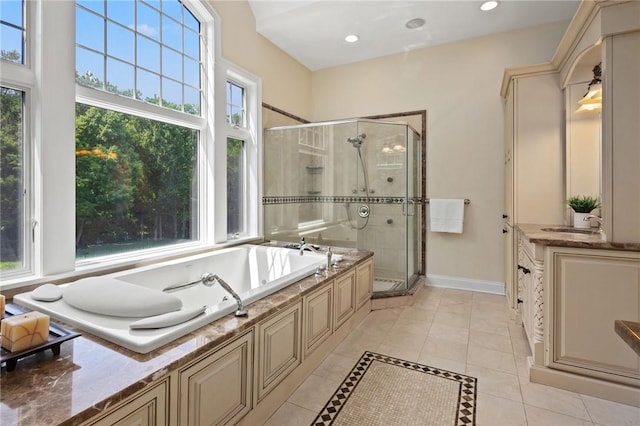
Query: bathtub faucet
<point>210,279</point>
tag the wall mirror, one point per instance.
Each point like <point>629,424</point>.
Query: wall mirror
<point>583,132</point>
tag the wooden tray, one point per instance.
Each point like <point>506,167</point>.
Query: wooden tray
<point>57,335</point>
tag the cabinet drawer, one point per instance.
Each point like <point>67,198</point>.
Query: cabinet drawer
<point>217,389</point>
<point>147,409</point>
<point>279,349</point>
<point>318,317</point>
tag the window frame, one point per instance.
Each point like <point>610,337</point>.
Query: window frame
<point>52,96</point>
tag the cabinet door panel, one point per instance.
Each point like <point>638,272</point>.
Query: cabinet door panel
<point>364,283</point>
<point>217,390</point>
<point>589,293</point>
<point>148,409</point>
<point>345,298</point>
<point>318,318</point>
<point>280,344</point>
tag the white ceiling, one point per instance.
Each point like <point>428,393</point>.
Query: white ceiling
<point>313,31</point>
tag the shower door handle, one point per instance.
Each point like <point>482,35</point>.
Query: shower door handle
<point>410,210</point>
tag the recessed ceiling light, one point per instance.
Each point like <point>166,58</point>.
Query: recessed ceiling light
<point>415,23</point>
<point>488,5</point>
<point>351,38</point>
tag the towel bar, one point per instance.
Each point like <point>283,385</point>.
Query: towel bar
<point>466,201</point>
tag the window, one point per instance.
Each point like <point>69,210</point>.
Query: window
<point>12,31</point>
<point>136,177</point>
<point>145,50</point>
<point>235,104</point>
<point>11,180</point>
<point>235,187</point>
<point>140,172</point>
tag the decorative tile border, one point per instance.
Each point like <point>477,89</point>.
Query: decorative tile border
<point>466,410</point>
<point>337,199</point>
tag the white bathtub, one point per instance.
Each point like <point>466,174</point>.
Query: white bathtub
<point>252,271</point>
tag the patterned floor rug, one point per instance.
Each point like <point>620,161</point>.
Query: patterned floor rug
<point>382,390</point>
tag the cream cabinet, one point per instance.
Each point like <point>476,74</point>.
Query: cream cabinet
<point>530,270</point>
<point>318,318</point>
<point>533,158</point>
<point>149,408</point>
<point>364,283</point>
<point>345,298</point>
<point>588,291</point>
<point>279,348</point>
<point>217,389</point>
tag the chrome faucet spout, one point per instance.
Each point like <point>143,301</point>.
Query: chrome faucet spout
<point>305,246</point>
<point>593,216</point>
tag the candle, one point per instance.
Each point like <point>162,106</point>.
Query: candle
<point>24,331</point>
<point>1,306</point>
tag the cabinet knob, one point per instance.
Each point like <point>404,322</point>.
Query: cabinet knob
<point>504,231</point>
<point>504,216</point>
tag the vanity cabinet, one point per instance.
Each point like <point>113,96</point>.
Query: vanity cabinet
<point>279,349</point>
<point>588,291</point>
<point>345,298</point>
<point>149,408</point>
<point>533,159</point>
<point>217,389</point>
<point>318,318</point>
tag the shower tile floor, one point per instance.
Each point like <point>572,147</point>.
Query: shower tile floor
<point>387,284</point>
<point>460,331</point>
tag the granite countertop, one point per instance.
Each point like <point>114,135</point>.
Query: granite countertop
<point>630,333</point>
<point>535,234</point>
<point>91,374</point>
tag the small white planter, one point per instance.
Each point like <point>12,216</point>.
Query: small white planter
<point>579,222</point>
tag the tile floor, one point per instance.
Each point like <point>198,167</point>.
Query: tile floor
<point>468,333</point>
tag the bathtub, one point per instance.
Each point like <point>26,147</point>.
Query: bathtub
<point>252,271</point>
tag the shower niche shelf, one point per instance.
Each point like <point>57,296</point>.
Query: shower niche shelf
<point>314,170</point>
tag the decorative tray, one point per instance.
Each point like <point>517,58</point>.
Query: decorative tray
<point>57,335</point>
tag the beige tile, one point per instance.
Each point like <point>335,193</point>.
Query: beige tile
<point>442,363</point>
<point>494,411</point>
<point>541,417</point>
<point>522,365</point>
<point>497,342</point>
<point>453,319</point>
<point>411,326</point>
<point>416,313</point>
<point>488,358</point>
<point>554,399</point>
<point>448,332</point>
<point>430,303</point>
<point>444,349</point>
<point>408,354</point>
<point>405,339</point>
<point>452,293</point>
<point>490,326</point>
<point>352,346</point>
<point>521,348</point>
<point>314,392</point>
<point>484,312</point>
<point>611,413</point>
<point>291,415</point>
<point>496,383</point>
<point>336,366</point>
<point>458,307</point>
<point>494,299</point>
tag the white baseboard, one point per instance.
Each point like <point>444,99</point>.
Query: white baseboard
<point>482,286</point>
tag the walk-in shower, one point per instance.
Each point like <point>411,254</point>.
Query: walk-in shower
<point>317,186</point>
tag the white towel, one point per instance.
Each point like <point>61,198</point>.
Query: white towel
<point>446,215</point>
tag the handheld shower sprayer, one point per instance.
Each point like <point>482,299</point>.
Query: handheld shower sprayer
<point>357,140</point>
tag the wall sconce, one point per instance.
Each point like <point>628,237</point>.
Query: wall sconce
<point>592,100</point>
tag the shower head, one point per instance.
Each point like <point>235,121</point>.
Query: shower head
<point>357,141</point>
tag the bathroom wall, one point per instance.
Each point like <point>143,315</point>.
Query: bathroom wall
<point>458,84</point>
<point>286,83</point>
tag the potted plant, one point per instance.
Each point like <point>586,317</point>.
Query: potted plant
<point>582,206</point>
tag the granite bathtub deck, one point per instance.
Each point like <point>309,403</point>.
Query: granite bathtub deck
<point>91,374</point>
<point>630,333</point>
<point>535,234</point>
